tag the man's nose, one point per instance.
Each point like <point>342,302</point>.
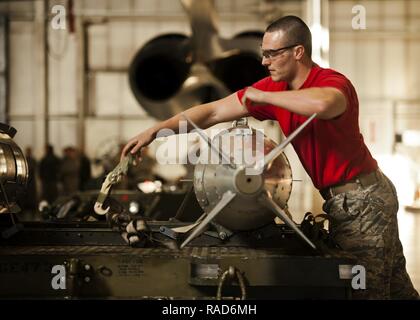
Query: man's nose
<point>265,62</point>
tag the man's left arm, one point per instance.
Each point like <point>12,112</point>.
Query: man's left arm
<point>327,102</point>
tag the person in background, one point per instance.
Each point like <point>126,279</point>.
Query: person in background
<point>84,171</point>
<point>69,172</point>
<point>49,169</point>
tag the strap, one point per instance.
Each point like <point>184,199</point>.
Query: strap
<point>314,228</point>
<point>185,229</point>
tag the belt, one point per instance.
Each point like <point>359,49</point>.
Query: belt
<point>363,180</point>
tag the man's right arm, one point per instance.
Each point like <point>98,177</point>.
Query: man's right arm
<point>204,115</point>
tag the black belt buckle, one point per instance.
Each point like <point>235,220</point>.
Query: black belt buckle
<point>327,193</point>
<point>330,193</point>
<point>366,181</point>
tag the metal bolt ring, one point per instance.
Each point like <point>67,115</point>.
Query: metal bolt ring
<point>231,272</point>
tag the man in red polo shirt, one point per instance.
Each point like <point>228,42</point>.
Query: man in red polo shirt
<point>361,200</point>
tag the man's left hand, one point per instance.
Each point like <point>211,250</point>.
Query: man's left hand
<point>254,97</point>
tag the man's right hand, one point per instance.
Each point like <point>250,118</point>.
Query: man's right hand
<point>135,144</point>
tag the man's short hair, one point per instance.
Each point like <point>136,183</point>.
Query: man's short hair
<point>296,31</point>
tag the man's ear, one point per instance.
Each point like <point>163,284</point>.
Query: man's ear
<point>299,52</point>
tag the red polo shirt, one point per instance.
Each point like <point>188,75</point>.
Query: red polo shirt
<point>331,151</point>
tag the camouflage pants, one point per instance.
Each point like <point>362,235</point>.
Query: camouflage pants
<point>364,223</point>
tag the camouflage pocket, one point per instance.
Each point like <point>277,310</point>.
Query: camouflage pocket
<point>344,211</point>
<point>373,217</point>
<point>353,202</point>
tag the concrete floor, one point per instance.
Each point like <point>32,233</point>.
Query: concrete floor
<point>409,229</point>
